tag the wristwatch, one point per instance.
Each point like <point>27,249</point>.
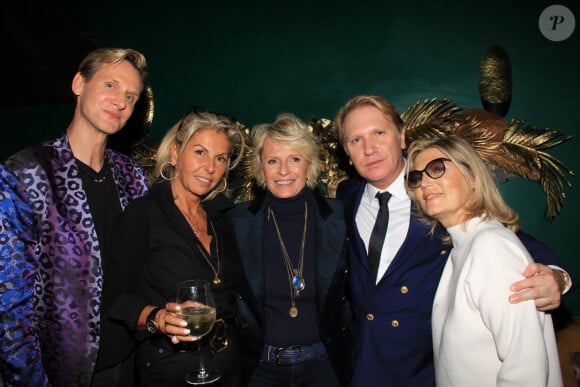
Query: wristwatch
<point>150,323</point>
<point>566,279</point>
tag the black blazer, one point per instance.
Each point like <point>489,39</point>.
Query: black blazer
<point>152,249</point>
<point>331,281</point>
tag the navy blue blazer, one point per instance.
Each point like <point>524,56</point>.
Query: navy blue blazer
<point>392,320</point>
<point>331,275</point>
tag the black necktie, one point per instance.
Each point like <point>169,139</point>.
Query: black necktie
<point>379,232</point>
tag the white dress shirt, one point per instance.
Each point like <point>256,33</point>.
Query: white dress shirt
<point>399,218</point>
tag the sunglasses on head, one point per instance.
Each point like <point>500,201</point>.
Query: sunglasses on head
<point>198,111</point>
<point>434,169</point>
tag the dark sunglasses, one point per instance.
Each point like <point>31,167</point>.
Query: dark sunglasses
<point>434,169</point>
<point>198,111</point>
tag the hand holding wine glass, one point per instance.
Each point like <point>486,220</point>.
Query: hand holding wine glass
<point>198,310</point>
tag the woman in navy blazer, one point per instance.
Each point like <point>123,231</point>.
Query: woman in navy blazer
<point>294,315</point>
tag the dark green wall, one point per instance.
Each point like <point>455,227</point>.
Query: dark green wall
<point>255,59</point>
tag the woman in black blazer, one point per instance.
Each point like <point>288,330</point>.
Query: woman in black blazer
<point>294,315</point>
<point>178,231</point>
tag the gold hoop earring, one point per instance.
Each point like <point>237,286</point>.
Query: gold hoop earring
<point>225,186</point>
<point>163,168</point>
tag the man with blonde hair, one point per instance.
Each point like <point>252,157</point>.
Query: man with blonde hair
<point>58,201</point>
<point>392,295</point>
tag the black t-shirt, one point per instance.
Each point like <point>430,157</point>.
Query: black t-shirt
<point>103,200</point>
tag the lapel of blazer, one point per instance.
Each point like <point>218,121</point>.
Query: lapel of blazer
<point>249,228</point>
<point>64,169</point>
<point>417,231</point>
<point>330,232</point>
<point>360,251</point>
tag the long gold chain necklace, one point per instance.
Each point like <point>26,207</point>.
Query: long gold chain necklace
<point>193,228</point>
<point>216,272</point>
<point>295,279</point>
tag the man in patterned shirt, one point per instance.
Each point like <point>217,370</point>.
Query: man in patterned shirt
<point>57,202</point>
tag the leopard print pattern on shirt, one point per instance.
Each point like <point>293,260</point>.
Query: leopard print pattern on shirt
<point>68,275</point>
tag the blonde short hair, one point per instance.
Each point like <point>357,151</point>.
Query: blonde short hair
<point>365,100</point>
<point>292,133</point>
<point>93,61</point>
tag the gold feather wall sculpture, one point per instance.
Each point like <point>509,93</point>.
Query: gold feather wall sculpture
<point>509,148</point>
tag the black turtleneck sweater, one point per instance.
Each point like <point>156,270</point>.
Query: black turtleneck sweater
<point>281,329</point>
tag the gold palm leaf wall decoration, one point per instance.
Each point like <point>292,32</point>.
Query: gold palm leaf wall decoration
<point>508,148</point>
<point>243,187</point>
<point>524,154</point>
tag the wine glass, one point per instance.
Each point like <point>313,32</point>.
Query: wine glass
<point>198,310</point>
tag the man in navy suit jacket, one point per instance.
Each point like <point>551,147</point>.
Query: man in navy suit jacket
<point>392,307</point>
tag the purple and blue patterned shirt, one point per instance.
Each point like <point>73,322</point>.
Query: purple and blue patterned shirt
<point>50,265</point>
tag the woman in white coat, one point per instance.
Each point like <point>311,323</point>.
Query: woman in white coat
<point>479,339</point>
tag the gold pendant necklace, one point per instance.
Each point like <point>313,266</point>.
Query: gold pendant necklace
<point>295,279</point>
<point>216,278</point>
<point>293,311</point>
<point>103,172</point>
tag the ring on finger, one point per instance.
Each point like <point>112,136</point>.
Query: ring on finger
<point>174,339</point>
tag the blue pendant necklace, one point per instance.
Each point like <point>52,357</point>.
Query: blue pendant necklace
<point>295,279</point>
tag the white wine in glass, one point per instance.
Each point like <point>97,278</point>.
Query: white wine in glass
<point>199,320</point>
<point>198,310</point>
